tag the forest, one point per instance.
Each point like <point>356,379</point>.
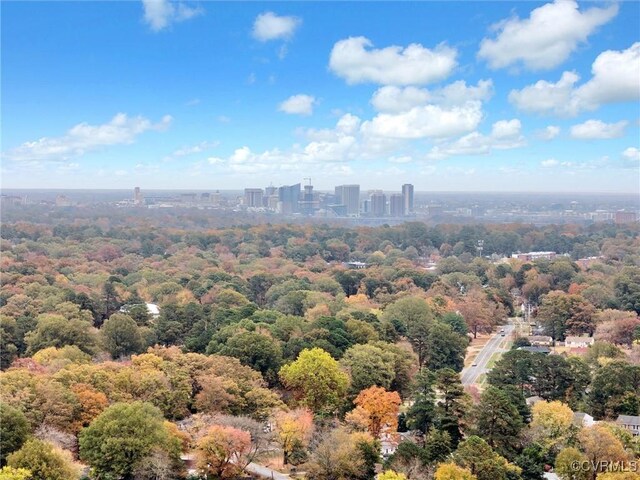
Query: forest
<point>268,348</point>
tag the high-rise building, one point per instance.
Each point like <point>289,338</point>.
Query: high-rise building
<point>308,204</point>
<point>378,204</point>
<point>407,195</point>
<point>137,196</point>
<point>349,196</point>
<point>289,198</point>
<point>253,197</point>
<point>396,205</point>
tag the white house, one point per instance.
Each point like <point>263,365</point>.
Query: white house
<point>578,342</point>
<point>581,419</point>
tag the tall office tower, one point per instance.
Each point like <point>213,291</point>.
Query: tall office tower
<point>349,196</point>
<point>407,194</point>
<point>215,198</point>
<point>289,197</point>
<point>253,197</point>
<point>270,190</point>
<point>308,204</point>
<point>137,196</point>
<point>378,204</point>
<point>396,205</point>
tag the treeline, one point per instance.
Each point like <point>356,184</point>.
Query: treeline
<point>264,325</point>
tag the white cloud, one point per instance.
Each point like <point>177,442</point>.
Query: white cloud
<point>401,159</point>
<point>505,134</point>
<point>548,133</point>
<point>597,129</point>
<point>631,154</point>
<point>615,78</point>
<point>192,150</point>
<point>545,39</point>
<point>549,163</point>
<point>547,97</point>
<point>428,121</point>
<point>160,14</point>
<point>356,61</point>
<point>83,138</point>
<point>269,26</point>
<point>392,99</point>
<point>298,105</point>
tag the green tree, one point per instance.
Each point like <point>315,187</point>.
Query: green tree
<point>44,461</point>
<point>498,421</point>
<point>57,331</point>
<point>120,336</point>
<point>610,387</point>
<point>122,436</point>
<point>626,286</point>
<point>257,351</point>
<point>444,348</point>
<point>452,407</point>
<point>316,380</point>
<point>368,365</point>
<point>421,413</point>
<point>14,430</point>
<point>416,318</point>
<point>476,455</point>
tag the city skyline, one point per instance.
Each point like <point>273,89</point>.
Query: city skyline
<point>191,95</point>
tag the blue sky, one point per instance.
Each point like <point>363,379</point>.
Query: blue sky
<point>469,96</point>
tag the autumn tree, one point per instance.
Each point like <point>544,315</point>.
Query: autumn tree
<point>293,430</point>
<point>379,409</point>
<point>551,423</point>
<point>477,312</point>
<point>451,471</point>
<point>44,460</point>
<point>341,455</point>
<point>10,473</point>
<point>601,446</point>
<point>219,449</point>
<point>566,462</point>
<point>562,314</point>
<point>316,380</point>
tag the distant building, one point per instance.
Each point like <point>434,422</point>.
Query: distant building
<point>435,210</point>
<point>578,342</point>
<point>543,350</point>
<point>355,265</point>
<point>540,340</point>
<point>407,196</point>
<point>581,419</point>
<point>63,201</point>
<point>622,216</point>
<point>138,199</point>
<point>630,422</point>
<point>253,197</point>
<point>397,205</point>
<point>378,204</point>
<point>215,198</point>
<point>152,309</point>
<point>531,256</point>
<point>349,196</point>
<point>531,401</point>
<point>288,199</point>
<point>308,204</point>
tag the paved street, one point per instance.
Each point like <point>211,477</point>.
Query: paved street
<point>265,472</point>
<point>470,375</point>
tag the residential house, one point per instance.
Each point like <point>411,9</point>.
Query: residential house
<point>540,340</point>
<point>630,422</point>
<point>578,342</point>
<point>581,419</point>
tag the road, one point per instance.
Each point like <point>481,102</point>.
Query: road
<point>470,375</point>
<point>265,472</point>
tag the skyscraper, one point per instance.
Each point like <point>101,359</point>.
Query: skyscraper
<point>407,194</point>
<point>349,196</point>
<point>378,204</point>
<point>288,198</point>
<point>396,205</point>
<point>137,196</point>
<point>253,197</point>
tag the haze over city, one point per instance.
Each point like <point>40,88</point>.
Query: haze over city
<point>467,96</point>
